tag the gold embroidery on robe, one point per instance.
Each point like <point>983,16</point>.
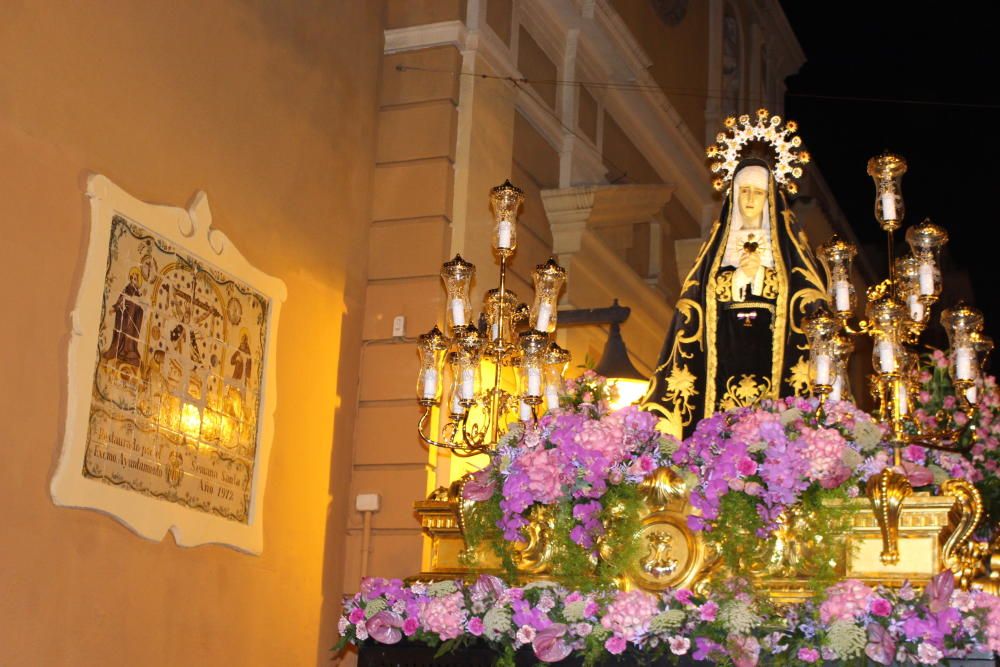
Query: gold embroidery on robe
<point>745,392</point>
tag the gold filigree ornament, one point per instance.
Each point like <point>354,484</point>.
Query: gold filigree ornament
<point>729,145</point>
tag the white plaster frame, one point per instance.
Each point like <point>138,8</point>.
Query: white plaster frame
<point>191,231</point>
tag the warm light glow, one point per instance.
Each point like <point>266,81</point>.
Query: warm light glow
<point>629,392</point>
<point>190,420</point>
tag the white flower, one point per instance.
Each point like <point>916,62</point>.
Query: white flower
<point>679,645</point>
<point>342,625</point>
<point>583,629</point>
<point>962,600</point>
<point>361,631</point>
<point>928,654</point>
<point>525,634</point>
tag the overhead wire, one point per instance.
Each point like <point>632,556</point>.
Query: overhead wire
<point>694,92</point>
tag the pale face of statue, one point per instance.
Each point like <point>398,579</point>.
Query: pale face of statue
<point>751,199</point>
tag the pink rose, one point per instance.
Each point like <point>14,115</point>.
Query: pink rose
<point>410,626</point>
<point>356,616</point>
<point>615,645</point>
<point>746,466</point>
<point>881,607</point>
<point>475,626</point>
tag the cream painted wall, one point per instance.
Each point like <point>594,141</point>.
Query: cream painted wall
<point>270,108</point>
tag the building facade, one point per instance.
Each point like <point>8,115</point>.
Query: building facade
<point>348,148</point>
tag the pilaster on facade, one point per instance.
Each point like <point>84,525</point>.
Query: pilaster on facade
<point>596,271</point>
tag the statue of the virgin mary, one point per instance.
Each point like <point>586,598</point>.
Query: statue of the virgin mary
<point>736,336</point>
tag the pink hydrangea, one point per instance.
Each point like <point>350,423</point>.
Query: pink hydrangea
<point>823,449</point>
<point>444,616</point>
<point>605,436</point>
<point>544,474</point>
<point>845,600</point>
<point>629,614</point>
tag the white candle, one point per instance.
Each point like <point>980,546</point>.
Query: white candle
<point>494,330</point>
<point>534,382</point>
<point>963,363</point>
<point>544,315</point>
<point>926,275</point>
<point>468,384</point>
<point>886,356</point>
<point>430,383</point>
<point>842,296</point>
<point>458,312</point>
<point>971,394</point>
<point>524,411</point>
<point>456,406</point>
<point>822,369</point>
<point>916,308</point>
<point>552,396</point>
<point>837,389</point>
<point>504,229</point>
<point>902,398</point>
<point>888,206</point>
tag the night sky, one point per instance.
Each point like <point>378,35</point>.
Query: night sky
<point>925,86</point>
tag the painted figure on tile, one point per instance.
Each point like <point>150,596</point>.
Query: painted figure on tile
<point>736,337</point>
<point>128,323</point>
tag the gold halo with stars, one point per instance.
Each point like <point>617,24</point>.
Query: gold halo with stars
<point>729,145</point>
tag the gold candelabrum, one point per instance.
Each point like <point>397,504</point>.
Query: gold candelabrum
<point>508,336</point>
<point>898,310</point>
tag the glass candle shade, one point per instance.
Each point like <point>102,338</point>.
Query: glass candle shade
<point>505,200</point>
<point>907,288</point>
<point>466,371</point>
<point>455,400</point>
<point>982,345</point>
<point>886,317</point>
<point>529,368</point>
<point>841,347</point>
<point>887,171</point>
<point>555,361</point>
<point>820,329</point>
<point>963,324</point>
<point>500,314</point>
<point>457,275</point>
<point>926,241</point>
<point>548,278</point>
<point>431,347</point>
<point>837,256</point>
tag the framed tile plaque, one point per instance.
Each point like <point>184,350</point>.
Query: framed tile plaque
<point>171,375</point>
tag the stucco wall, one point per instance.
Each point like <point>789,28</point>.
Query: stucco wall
<point>270,108</point>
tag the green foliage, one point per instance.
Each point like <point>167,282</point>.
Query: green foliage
<point>481,528</point>
<point>814,545</point>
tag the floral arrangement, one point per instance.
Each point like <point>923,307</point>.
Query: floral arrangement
<point>938,406</point>
<point>757,468</point>
<point>581,464</point>
<point>849,621</point>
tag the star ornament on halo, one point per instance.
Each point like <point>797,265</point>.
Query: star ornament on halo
<point>740,132</point>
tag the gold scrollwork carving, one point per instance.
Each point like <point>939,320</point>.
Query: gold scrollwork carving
<point>887,491</point>
<point>958,552</point>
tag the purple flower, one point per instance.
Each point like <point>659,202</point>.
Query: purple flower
<point>807,654</point>
<point>383,627</point>
<point>705,648</point>
<point>708,611</point>
<point>881,646</point>
<point>548,644</point>
<point>939,591</point>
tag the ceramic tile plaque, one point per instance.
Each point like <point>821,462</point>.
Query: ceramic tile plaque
<point>171,375</point>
